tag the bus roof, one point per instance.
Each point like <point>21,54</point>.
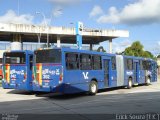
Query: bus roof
<point>79,51</point>
<point>26,51</point>
<point>134,57</point>
<point>95,52</point>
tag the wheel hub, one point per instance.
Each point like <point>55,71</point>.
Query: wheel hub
<point>93,88</point>
<point>130,83</point>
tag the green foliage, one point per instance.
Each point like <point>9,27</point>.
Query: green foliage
<point>136,49</point>
<point>158,56</point>
<point>101,49</point>
<point>149,54</point>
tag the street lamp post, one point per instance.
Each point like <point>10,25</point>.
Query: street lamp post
<point>44,17</point>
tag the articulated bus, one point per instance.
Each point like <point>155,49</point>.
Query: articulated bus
<point>66,71</point>
<point>17,70</point>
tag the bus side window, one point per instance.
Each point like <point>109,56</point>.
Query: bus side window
<point>31,61</point>
<point>129,64</point>
<point>72,61</point>
<point>85,62</point>
<point>144,64</point>
<point>141,65</point>
<point>113,59</point>
<point>96,62</point>
<point>148,65</point>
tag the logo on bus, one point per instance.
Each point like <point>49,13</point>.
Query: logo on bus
<point>46,73</point>
<point>21,72</point>
<point>129,73</point>
<point>52,72</point>
<point>85,75</point>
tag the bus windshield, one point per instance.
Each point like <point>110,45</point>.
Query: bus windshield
<point>15,58</point>
<point>48,56</point>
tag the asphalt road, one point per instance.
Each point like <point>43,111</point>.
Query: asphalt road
<point>140,99</point>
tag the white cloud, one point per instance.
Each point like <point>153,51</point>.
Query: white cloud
<point>155,49</point>
<point>117,46</point>
<point>57,11</point>
<point>137,13</point>
<point>121,46</point>
<point>12,17</point>
<point>96,11</point>
<point>45,21</point>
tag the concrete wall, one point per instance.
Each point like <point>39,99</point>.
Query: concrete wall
<point>23,28</point>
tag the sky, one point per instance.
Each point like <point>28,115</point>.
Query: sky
<point>140,17</point>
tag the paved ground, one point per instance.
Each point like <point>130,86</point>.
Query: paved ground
<point>141,99</point>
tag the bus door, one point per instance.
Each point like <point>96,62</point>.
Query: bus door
<point>136,72</point>
<point>29,75</point>
<point>24,80</point>
<point>106,67</point>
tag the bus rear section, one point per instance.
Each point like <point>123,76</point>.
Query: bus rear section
<point>150,71</point>
<point>154,71</point>
<point>48,71</point>
<point>139,71</point>
<point>147,71</point>
<point>17,70</point>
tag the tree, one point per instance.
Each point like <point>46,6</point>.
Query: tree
<point>101,49</point>
<point>158,56</point>
<point>149,54</point>
<point>136,49</point>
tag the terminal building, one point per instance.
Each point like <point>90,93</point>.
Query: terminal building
<point>18,36</point>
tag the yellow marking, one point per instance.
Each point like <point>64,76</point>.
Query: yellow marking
<point>40,74</point>
<point>8,74</point>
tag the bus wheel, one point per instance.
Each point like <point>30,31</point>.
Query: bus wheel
<point>93,88</point>
<point>129,86</point>
<point>148,81</point>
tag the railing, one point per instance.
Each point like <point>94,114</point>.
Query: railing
<point>34,46</point>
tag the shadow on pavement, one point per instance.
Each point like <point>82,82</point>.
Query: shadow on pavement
<point>73,96</point>
<point>63,96</point>
<point>22,92</point>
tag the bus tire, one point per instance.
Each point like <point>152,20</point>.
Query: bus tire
<point>93,88</point>
<point>148,80</point>
<point>129,86</point>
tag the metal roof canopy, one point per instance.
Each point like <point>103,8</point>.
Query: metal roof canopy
<point>29,33</point>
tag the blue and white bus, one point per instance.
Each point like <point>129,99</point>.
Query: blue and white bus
<point>17,70</point>
<point>65,70</point>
